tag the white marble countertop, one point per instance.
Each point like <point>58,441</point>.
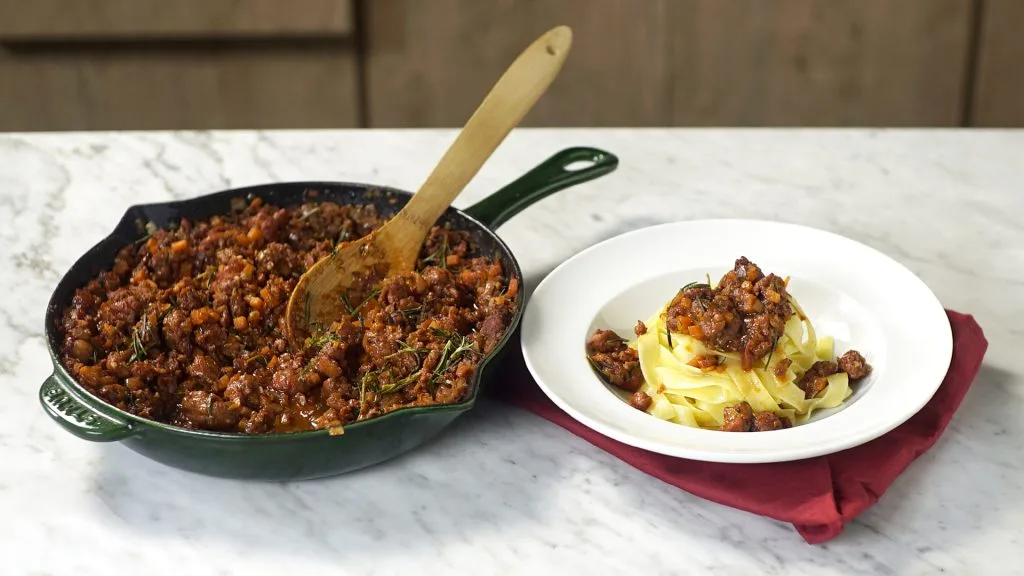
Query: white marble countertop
<point>504,491</point>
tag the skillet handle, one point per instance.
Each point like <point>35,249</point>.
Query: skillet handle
<point>554,174</point>
<point>77,417</point>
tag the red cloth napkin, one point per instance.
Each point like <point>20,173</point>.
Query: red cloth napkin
<point>833,489</point>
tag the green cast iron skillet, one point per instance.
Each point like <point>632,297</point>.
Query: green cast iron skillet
<point>300,455</point>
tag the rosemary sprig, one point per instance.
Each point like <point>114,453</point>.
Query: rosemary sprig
<point>440,257</point>
<point>397,385</point>
<point>165,312</point>
<point>151,229</point>
<point>406,347</point>
<point>770,353</point>
<point>343,237</point>
<point>321,337</point>
<point>616,338</point>
<point>455,348</point>
<point>373,294</point>
<point>139,348</point>
<point>700,303</point>
<point>206,276</point>
<point>354,310</point>
<point>368,379</point>
<point>407,312</point>
<point>258,357</point>
<point>418,310</point>
<point>597,367</point>
<point>348,305</point>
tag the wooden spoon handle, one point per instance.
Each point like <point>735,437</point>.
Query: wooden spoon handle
<point>511,98</point>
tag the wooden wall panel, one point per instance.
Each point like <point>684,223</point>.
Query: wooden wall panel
<point>190,86</point>
<point>998,98</point>
<point>819,62</point>
<point>431,63</point>
<point>678,62</point>
<point>106,19</point>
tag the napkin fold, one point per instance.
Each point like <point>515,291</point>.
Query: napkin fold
<point>832,490</point>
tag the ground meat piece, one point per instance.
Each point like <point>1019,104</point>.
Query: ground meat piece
<point>277,258</point>
<point>738,418</point>
<point>491,331</point>
<point>640,400</point>
<point>764,421</point>
<point>746,270</point>
<point>745,312</point>
<point>813,381</point>
<point>759,338</point>
<point>205,410</point>
<point>705,362</point>
<point>210,337</point>
<point>615,360</point>
<point>240,391</point>
<point>82,350</point>
<point>855,366</point>
<point>640,329</point>
<point>720,324</point>
<point>204,369</point>
<point>177,331</point>
<point>781,367</point>
<point>813,387</point>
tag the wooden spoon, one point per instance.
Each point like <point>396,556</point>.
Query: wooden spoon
<point>394,247</point>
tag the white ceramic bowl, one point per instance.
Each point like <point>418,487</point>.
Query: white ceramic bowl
<point>861,297</point>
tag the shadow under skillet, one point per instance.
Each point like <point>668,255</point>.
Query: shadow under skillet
<point>457,487</point>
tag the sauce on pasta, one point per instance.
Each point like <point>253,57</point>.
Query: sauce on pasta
<point>739,356</point>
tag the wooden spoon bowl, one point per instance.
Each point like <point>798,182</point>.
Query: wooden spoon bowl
<point>319,296</point>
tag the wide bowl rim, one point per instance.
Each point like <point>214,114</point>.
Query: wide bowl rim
<point>662,446</point>
<point>55,307</point>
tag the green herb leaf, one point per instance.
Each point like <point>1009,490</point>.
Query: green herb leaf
<point>597,368</point>
<point>769,360</point>
<point>368,380</point>
<point>696,285</point>
<point>456,347</point>
<point>354,310</point>
<point>402,383</point>
<point>440,256</point>
<point>139,349</point>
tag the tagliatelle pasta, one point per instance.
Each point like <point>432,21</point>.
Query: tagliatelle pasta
<point>739,356</point>
<point>683,393</point>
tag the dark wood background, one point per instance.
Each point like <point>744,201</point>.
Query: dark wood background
<point>204,64</point>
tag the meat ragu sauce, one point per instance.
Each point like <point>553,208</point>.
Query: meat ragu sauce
<point>187,327</point>
<point>745,312</point>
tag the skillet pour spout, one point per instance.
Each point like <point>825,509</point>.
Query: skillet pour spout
<point>311,454</point>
